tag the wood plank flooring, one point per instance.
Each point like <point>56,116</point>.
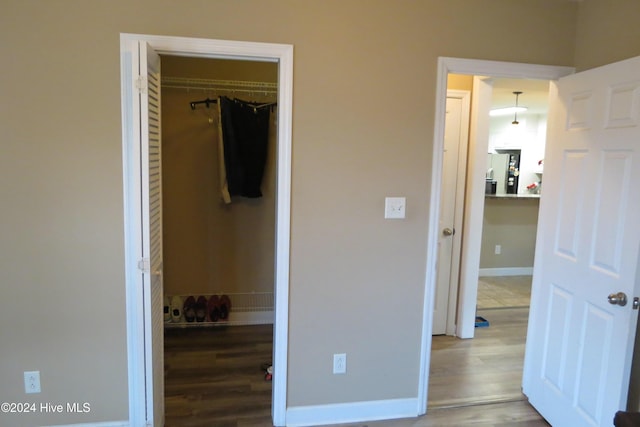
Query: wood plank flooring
<point>213,377</point>
<point>487,368</point>
<point>512,414</point>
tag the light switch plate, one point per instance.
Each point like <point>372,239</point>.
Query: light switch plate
<point>394,207</point>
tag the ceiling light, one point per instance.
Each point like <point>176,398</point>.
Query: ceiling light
<point>510,110</point>
<point>506,111</point>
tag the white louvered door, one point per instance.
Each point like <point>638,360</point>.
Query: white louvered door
<point>580,342</point>
<point>150,150</point>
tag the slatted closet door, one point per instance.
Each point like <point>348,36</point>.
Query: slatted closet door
<point>152,230</point>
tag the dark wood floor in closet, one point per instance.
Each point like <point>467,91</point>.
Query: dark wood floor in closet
<point>214,376</point>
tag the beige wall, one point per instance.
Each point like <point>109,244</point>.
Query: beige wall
<point>512,224</point>
<point>364,87</point>
<point>460,82</point>
<point>607,31</point>
<point>209,246</point>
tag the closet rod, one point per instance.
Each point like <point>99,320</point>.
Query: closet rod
<point>209,101</point>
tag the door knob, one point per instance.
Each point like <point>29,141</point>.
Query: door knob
<point>618,299</point>
<point>448,232</point>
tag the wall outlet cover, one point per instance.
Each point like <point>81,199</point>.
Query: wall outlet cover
<point>395,207</point>
<point>340,363</point>
<point>32,382</point>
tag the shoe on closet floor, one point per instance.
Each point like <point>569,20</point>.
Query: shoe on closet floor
<point>176,309</point>
<point>213,308</point>
<point>201,309</point>
<point>225,307</point>
<point>189,309</point>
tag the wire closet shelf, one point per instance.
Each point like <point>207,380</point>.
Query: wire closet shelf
<point>233,86</point>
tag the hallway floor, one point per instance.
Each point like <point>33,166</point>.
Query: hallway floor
<point>504,291</point>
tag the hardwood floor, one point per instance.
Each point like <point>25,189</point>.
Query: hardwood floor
<point>213,377</point>
<point>512,414</point>
<point>487,368</point>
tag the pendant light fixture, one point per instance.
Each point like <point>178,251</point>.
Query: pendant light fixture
<point>510,110</point>
<point>515,113</point>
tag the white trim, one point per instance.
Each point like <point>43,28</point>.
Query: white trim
<point>101,424</point>
<point>506,271</point>
<point>458,66</point>
<point>474,206</point>
<point>235,319</point>
<point>340,413</point>
<point>192,47</point>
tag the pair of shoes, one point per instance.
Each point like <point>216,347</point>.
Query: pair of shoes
<point>218,307</point>
<point>189,309</point>
<point>195,310</point>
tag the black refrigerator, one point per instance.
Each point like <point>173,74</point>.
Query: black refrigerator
<point>513,172</point>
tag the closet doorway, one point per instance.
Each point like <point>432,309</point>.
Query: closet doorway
<point>218,251</point>
<point>140,78</point>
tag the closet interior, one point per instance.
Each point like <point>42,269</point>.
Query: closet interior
<point>219,250</point>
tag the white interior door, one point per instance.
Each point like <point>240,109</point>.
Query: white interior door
<point>150,149</point>
<point>451,210</point>
<point>580,345</point>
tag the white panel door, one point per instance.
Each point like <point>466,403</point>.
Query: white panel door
<point>579,344</point>
<point>451,201</point>
<point>150,150</point>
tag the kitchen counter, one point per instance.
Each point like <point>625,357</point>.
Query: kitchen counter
<point>512,196</point>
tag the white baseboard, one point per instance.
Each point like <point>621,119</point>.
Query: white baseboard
<point>351,412</point>
<point>100,424</point>
<point>507,271</point>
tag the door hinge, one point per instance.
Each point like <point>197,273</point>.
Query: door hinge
<point>141,84</point>
<point>144,265</point>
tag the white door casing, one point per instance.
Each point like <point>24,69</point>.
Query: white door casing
<point>579,346</point>
<point>451,210</point>
<point>474,207</point>
<point>140,364</point>
<point>478,68</point>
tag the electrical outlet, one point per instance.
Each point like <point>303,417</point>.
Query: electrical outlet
<point>394,207</point>
<point>498,250</point>
<point>32,382</point>
<point>340,363</point>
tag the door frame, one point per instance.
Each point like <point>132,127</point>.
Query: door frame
<point>135,314</point>
<point>474,200</point>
